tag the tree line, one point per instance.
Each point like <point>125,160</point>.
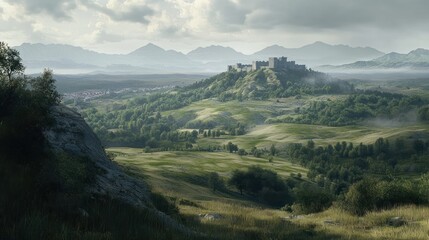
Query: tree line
<point>359,106</point>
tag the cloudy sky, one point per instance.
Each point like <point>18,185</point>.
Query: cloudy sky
<point>115,26</point>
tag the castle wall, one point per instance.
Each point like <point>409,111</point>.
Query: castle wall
<point>272,63</point>
<point>259,64</point>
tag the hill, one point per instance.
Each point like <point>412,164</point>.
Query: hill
<point>215,54</point>
<point>320,53</point>
<point>415,60</point>
<point>148,59</point>
<point>268,83</point>
<point>152,55</point>
<point>153,59</point>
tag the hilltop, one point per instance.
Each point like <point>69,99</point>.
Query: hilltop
<point>263,82</point>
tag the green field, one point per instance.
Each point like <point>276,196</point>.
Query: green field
<point>263,136</point>
<point>180,177</point>
<point>184,173</point>
<point>248,112</point>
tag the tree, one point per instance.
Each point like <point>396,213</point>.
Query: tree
<point>218,133</point>
<point>215,182</point>
<point>231,147</point>
<point>311,198</point>
<point>238,180</point>
<point>45,90</point>
<point>361,197</point>
<point>10,61</point>
<point>241,152</point>
<point>273,150</point>
<point>310,144</point>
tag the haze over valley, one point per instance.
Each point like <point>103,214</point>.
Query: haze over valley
<point>151,59</point>
<point>214,119</point>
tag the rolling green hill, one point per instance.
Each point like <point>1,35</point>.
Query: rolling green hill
<point>269,83</point>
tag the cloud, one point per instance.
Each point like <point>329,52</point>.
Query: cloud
<point>128,10</point>
<point>333,14</point>
<point>240,15</point>
<point>385,24</point>
<point>58,9</point>
<point>101,36</point>
<point>227,15</point>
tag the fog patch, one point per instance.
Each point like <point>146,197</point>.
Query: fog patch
<point>402,120</point>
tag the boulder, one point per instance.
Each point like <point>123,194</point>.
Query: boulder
<point>212,216</point>
<point>396,221</point>
<point>330,222</point>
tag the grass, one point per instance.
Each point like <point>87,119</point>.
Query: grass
<point>183,174</point>
<point>249,112</point>
<point>180,176</point>
<point>263,136</point>
<point>373,225</point>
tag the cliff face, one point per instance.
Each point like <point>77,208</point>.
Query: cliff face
<point>72,135</point>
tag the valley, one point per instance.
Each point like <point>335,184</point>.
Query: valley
<point>180,169</point>
<point>214,119</point>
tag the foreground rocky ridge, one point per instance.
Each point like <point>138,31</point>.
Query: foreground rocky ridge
<point>72,135</point>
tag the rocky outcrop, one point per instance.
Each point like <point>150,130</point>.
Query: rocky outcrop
<point>72,135</point>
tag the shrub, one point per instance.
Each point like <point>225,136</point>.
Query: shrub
<point>262,183</point>
<point>372,194</point>
<point>310,198</point>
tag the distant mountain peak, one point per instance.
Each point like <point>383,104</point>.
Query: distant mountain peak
<point>420,51</point>
<point>275,46</point>
<point>148,48</point>
<point>214,47</point>
<point>416,59</point>
<point>151,45</point>
<point>215,53</point>
<point>320,43</point>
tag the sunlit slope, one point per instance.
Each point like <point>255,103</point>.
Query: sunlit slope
<point>283,133</point>
<point>180,176</point>
<point>248,112</point>
<point>184,173</point>
<point>254,114</point>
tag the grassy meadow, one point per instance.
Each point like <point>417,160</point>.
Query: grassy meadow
<point>263,136</point>
<point>183,174</point>
<point>250,111</point>
<point>180,176</point>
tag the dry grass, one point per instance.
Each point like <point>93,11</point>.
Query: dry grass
<point>374,225</point>
<point>176,175</point>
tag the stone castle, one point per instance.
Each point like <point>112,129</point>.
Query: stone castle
<point>272,63</point>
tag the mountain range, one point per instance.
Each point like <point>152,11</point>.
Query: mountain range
<point>154,59</point>
<point>417,60</point>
